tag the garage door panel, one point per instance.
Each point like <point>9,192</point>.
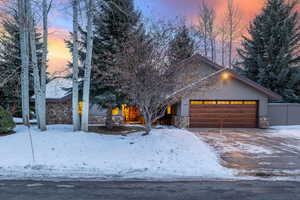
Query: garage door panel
<point>223,115</point>
<point>220,121</point>
<point>217,110</point>
<point>226,106</point>
<point>225,125</point>
<point>246,121</point>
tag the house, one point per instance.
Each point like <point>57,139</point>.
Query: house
<point>58,101</point>
<point>59,105</point>
<point>232,101</point>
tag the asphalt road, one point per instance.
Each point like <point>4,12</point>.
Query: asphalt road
<point>206,190</point>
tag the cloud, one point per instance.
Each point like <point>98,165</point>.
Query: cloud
<point>189,8</point>
<point>59,54</point>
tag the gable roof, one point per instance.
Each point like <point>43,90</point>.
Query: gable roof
<point>220,69</point>
<point>56,89</point>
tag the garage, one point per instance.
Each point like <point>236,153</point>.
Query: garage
<point>223,114</point>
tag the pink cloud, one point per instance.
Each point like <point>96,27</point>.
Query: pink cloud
<point>59,54</point>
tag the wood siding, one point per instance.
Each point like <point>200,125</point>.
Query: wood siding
<point>223,115</point>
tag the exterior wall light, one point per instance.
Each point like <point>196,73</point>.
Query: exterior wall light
<point>225,76</point>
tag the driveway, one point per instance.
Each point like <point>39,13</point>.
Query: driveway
<point>254,151</point>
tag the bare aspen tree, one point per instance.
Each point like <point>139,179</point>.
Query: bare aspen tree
<point>204,15</point>
<point>87,65</point>
<point>34,63</point>
<point>223,39</point>
<point>212,33</point>
<point>23,24</point>
<point>233,19</point>
<point>76,117</point>
<point>207,29</point>
<point>46,10</point>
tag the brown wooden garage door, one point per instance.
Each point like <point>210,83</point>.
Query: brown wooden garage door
<point>226,114</point>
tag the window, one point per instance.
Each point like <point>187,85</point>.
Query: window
<point>169,110</point>
<point>236,102</point>
<point>115,111</point>
<point>223,102</point>
<point>196,102</point>
<point>250,102</point>
<point>80,107</point>
<point>210,102</point>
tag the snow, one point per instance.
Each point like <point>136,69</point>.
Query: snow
<point>55,89</point>
<point>254,149</point>
<point>59,152</point>
<point>224,144</point>
<point>20,120</point>
<point>286,131</point>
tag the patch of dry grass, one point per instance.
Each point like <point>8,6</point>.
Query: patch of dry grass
<point>116,130</point>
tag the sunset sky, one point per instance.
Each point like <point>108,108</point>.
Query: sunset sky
<point>61,20</point>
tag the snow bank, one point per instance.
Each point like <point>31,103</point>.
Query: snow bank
<point>59,152</point>
<point>286,131</point>
<point>20,120</point>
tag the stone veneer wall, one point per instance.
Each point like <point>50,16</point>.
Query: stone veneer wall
<point>182,122</point>
<point>59,112</point>
<point>263,123</point>
<point>117,120</point>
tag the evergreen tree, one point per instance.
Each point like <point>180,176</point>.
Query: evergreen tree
<point>113,23</point>
<point>270,55</point>
<point>7,123</point>
<point>182,46</point>
<point>10,61</point>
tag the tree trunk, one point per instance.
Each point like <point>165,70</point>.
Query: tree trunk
<point>88,66</point>
<point>223,52</point>
<point>148,127</point>
<point>230,50</point>
<point>212,44</point>
<point>148,122</point>
<point>75,114</point>
<point>109,118</point>
<point>205,41</point>
<point>43,67</point>
<point>34,63</point>
<point>23,20</point>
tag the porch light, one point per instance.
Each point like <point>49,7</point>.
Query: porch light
<point>225,76</point>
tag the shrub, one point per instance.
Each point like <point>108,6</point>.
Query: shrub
<point>7,123</point>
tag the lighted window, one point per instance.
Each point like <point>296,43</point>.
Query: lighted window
<point>80,107</point>
<point>196,102</point>
<point>236,102</point>
<point>169,110</point>
<point>223,102</point>
<point>250,102</point>
<point>210,102</point>
<point>115,111</point>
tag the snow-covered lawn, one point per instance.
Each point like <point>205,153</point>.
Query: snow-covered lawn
<point>20,120</point>
<point>59,152</point>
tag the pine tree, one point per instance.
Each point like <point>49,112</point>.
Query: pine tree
<point>10,61</point>
<point>270,55</point>
<point>182,46</point>
<point>113,26</point>
<point>112,23</point>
